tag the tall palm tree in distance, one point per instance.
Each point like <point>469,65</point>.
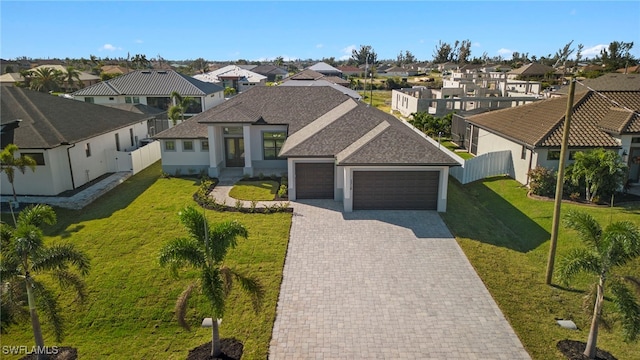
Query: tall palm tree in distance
<point>70,77</point>
<point>46,79</point>
<point>205,249</point>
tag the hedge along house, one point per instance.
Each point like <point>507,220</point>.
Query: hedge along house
<point>72,142</point>
<point>330,145</point>
<point>605,114</point>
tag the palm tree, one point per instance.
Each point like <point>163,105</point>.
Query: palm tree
<point>607,249</point>
<point>180,106</point>
<point>46,79</point>
<point>24,256</point>
<point>205,249</point>
<point>70,75</point>
<point>9,163</point>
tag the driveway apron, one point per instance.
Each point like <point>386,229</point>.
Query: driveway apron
<point>383,285</point>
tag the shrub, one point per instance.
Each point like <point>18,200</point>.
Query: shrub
<point>239,205</point>
<point>252,208</point>
<point>178,172</point>
<point>261,176</point>
<point>542,181</point>
<point>282,192</point>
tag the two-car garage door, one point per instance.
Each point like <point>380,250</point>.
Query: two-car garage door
<point>395,190</point>
<point>372,190</point>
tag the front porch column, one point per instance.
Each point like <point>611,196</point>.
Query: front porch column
<point>214,171</point>
<point>246,133</point>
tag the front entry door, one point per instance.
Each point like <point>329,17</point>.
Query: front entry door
<point>234,149</point>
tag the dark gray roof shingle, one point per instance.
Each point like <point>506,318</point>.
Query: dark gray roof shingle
<point>49,121</point>
<point>150,83</point>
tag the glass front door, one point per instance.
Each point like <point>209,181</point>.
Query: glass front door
<point>234,149</point>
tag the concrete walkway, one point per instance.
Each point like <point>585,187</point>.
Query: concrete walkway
<point>81,198</point>
<point>383,285</point>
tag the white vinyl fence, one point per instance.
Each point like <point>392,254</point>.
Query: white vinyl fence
<point>485,165</point>
<point>134,161</point>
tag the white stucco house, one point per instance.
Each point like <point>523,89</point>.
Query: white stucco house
<point>153,88</point>
<point>233,76</point>
<point>72,142</point>
<point>605,114</point>
<point>329,145</point>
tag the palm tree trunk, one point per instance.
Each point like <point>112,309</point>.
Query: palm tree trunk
<point>590,349</point>
<point>215,339</point>
<point>35,322</point>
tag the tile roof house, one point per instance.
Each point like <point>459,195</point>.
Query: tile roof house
<point>234,77</point>
<point>398,71</point>
<point>325,69</point>
<point>72,142</point>
<point>350,70</point>
<point>311,75</point>
<point>153,88</point>
<point>604,114</point>
<point>533,71</point>
<point>331,147</point>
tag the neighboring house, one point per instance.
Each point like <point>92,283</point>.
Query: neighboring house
<point>350,71</point>
<point>331,147</point>
<point>326,69</point>
<point>153,88</point>
<point>272,72</point>
<point>72,142</point>
<point>440,102</point>
<point>115,70</point>
<point>86,79</point>
<point>234,77</point>
<point>398,71</point>
<point>10,79</point>
<point>345,90</point>
<point>605,113</point>
<point>310,75</point>
<point>534,71</point>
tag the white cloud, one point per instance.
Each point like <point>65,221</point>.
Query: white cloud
<point>319,46</point>
<point>347,52</point>
<point>593,51</point>
<point>109,47</point>
<point>505,53</point>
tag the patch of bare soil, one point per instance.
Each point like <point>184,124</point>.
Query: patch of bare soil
<point>231,350</point>
<point>574,350</point>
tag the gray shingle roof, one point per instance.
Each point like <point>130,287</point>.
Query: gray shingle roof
<point>324,67</point>
<point>150,83</point>
<point>354,130</point>
<point>189,129</point>
<point>607,82</point>
<point>532,69</point>
<point>48,121</point>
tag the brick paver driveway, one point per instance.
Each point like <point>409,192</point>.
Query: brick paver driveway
<point>383,285</point>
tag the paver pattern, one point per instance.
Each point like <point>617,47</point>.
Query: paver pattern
<point>383,285</point>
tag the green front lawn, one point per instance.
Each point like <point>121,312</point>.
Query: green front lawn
<point>505,236</point>
<point>260,190</point>
<point>129,312</point>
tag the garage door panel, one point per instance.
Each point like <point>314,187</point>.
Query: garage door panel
<point>395,190</point>
<point>315,180</point>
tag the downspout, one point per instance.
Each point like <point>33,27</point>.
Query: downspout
<point>530,163</point>
<point>73,184</point>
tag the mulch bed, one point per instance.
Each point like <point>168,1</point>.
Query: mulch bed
<point>574,350</point>
<point>231,350</point>
<point>61,353</point>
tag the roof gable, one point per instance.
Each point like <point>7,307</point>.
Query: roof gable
<point>49,121</point>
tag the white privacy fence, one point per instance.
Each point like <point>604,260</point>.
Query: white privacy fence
<point>485,165</point>
<point>134,161</point>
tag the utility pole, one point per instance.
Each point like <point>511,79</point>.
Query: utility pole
<point>559,182</point>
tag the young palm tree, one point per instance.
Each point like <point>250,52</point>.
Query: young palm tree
<point>9,163</point>
<point>205,249</point>
<point>24,255</point>
<point>70,77</point>
<point>46,79</point>
<point>180,106</point>
<point>607,249</point>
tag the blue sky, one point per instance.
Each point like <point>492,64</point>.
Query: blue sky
<point>263,30</point>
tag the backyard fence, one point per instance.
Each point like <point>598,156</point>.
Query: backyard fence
<point>134,161</point>
<point>485,165</point>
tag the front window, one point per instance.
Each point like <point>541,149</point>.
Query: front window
<point>272,142</point>
<point>205,145</point>
<point>162,103</point>
<point>170,145</point>
<point>195,106</point>
<point>187,145</point>
<point>89,100</point>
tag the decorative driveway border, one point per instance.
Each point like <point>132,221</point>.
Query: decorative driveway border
<point>383,285</point>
